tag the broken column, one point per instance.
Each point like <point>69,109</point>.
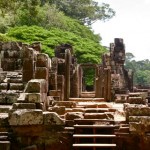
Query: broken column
<point>28,63</point>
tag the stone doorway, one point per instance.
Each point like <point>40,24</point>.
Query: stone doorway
<point>87,82</point>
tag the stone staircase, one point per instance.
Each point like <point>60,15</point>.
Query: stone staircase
<point>94,134</point>
<point>11,87</point>
<point>4,128</point>
<point>91,121</point>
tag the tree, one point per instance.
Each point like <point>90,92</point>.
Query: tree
<point>87,11</point>
<point>140,68</point>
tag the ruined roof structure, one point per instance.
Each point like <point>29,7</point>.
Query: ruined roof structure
<point>45,103</point>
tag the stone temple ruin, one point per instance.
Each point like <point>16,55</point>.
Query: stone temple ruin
<point>45,103</point>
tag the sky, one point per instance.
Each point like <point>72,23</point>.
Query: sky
<point>131,22</point>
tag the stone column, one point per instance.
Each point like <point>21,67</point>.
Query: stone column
<point>28,63</point>
<point>107,84</point>
<point>75,83</point>
<point>99,92</point>
<point>67,74</point>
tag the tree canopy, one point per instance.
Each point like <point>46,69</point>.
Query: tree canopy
<point>141,69</point>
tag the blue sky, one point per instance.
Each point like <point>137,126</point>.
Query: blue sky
<point>132,23</point>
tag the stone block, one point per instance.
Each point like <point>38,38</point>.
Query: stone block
<point>10,54</point>
<point>136,100</point>
<point>5,145</point>
<point>96,116</point>
<point>24,106</point>
<point>3,98</point>
<point>136,127</point>
<point>54,93</point>
<point>3,86</point>
<point>28,53</point>
<point>36,86</point>
<point>16,86</point>
<point>67,104</point>
<point>5,108</point>
<point>26,117</point>
<point>74,115</point>
<point>8,64</point>
<point>28,64</point>
<point>27,75</point>
<point>15,80</point>
<point>41,73</point>
<point>16,46</point>
<point>143,120</point>
<point>58,109</point>
<point>42,60</point>
<point>6,46</point>
<point>35,97</point>
<point>11,97</point>
<point>4,120</point>
<point>136,111</point>
<point>52,118</point>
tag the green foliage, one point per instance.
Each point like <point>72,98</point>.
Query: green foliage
<point>143,77</point>
<point>86,49</point>
<point>87,11</point>
<point>4,38</point>
<point>141,69</point>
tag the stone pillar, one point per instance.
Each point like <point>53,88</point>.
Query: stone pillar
<point>75,83</point>
<point>28,63</point>
<point>53,74</point>
<point>107,84</point>
<point>99,93</point>
<point>67,74</point>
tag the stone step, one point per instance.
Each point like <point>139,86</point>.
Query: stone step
<point>5,108</point>
<point>106,115</point>
<point>87,99</point>
<point>96,110</point>
<point>54,93</point>
<point>4,120</point>
<point>94,136</point>
<point>67,104</point>
<point>93,105</point>
<point>124,129</point>
<point>95,145</point>
<point>3,138</point>
<point>87,94</point>
<point>5,145</point>
<point>16,86</point>
<point>93,121</point>
<point>4,133</point>
<point>94,126</point>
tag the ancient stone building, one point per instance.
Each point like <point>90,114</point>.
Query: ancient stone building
<point>45,103</point>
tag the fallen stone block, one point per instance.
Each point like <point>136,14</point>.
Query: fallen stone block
<point>74,115</point>
<point>34,97</point>
<point>52,118</point>
<point>67,104</point>
<point>26,117</point>
<point>95,116</point>
<point>58,109</point>
<point>36,86</point>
